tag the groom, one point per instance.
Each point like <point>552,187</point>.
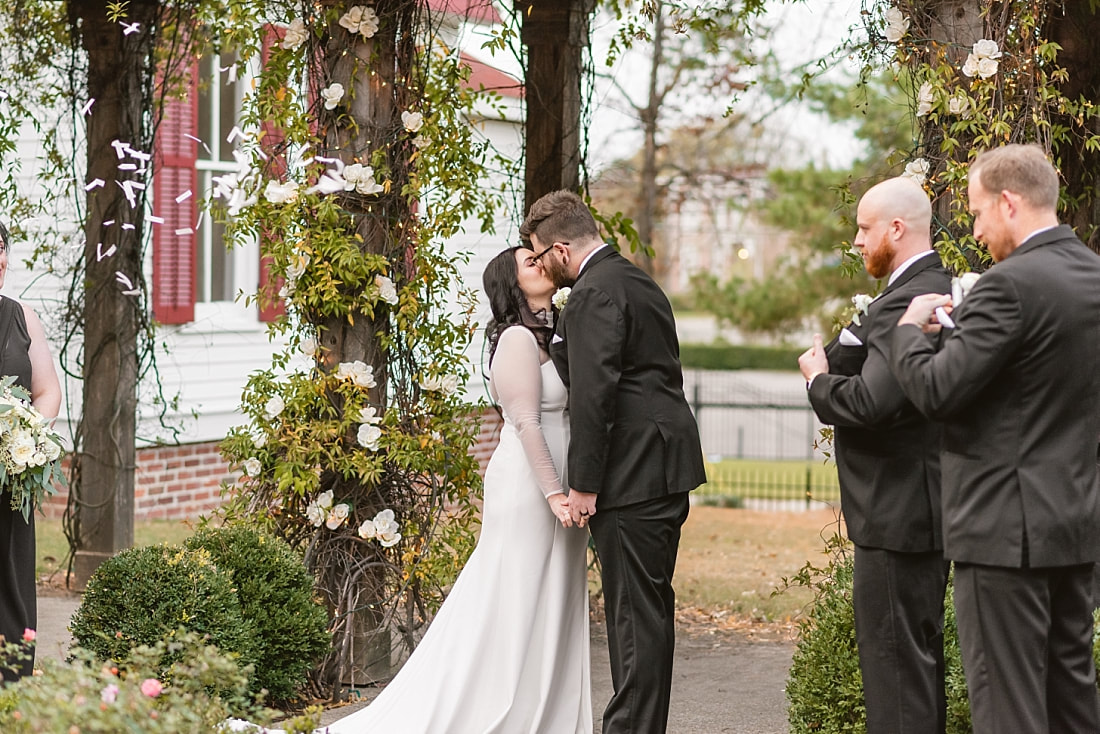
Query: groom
<point>634,451</point>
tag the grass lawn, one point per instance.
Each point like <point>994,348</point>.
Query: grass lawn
<point>53,548</point>
<point>732,560</point>
<point>772,480</point>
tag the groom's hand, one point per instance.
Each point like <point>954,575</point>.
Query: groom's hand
<point>582,505</point>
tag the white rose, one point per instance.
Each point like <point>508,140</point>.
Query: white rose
<point>862,302</point>
<point>259,440</point>
<point>987,68</point>
<point>986,49</point>
<point>970,66</point>
<point>361,179</point>
<point>337,516</point>
<point>369,415</point>
<point>924,99</point>
<point>431,383</point>
<point>360,20</point>
<point>389,539</point>
<point>896,25</point>
<point>252,467</point>
<point>961,286</point>
<point>917,170</point>
<point>450,384</point>
<point>281,193</point>
<point>412,121</point>
<point>421,142</point>
<point>295,35</point>
<point>274,406</point>
<point>37,459</point>
<point>386,289</point>
<point>367,530</point>
<point>384,517</point>
<point>368,436</point>
<point>52,450</point>
<point>309,346</point>
<point>561,297</point>
<point>315,514</point>
<point>324,500</point>
<point>358,372</point>
<point>958,105</point>
<point>332,95</point>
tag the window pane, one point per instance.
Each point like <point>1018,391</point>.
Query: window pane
<point>204,104</point>
<point>221,266</point>
<point>229,103</point>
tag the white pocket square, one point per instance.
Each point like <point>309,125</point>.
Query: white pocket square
<point>849,339</point>
<point>556,339</point>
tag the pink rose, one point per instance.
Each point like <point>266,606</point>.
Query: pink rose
<point>109,693</point>
<point>151,687</point>
<point>29,635</point>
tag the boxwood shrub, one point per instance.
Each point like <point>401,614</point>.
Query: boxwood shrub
<point>142,595</point>
<point>289,625</point>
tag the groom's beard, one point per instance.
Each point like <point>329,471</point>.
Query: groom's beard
<point>556,271</point>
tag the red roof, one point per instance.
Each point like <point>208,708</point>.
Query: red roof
<point>476,10</point>
<point>485,77</point>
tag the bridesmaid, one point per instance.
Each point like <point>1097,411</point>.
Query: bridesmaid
<point>24,353</point>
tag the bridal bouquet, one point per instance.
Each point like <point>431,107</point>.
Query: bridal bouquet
<point>30,450</point>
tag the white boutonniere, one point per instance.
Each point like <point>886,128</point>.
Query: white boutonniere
<point>960,287</point>
<point>862,302</point>
<point>561,297</point>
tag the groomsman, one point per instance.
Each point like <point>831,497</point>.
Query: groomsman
<point>888,460</point>
<point>1017,384</point>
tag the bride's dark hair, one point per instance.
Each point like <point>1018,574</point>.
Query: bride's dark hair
<point>508,304</point>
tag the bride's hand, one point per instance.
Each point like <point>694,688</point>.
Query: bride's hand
<point>560,506</point>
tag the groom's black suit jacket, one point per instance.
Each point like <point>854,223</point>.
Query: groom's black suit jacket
<point>633,436</point>
<point>1017,384</point>
<point>887,453</point>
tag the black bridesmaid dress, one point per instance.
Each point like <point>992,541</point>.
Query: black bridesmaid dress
<point>18,603</point>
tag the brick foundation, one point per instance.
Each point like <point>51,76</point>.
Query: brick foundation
<point>183,482</point>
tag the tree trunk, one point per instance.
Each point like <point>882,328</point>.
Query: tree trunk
<point>555,33</point>
<point>1075,27</point>
<point>102,492</point>
<point>647,200</point>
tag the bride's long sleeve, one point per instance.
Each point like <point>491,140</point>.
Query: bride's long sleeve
<point>517,381</point>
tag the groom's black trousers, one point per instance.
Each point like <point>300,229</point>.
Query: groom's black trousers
<point>637,547</point>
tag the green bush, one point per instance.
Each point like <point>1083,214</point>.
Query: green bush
<point>731,357</point>
<point>277,601</point>
<point>142,595</point>
<point>85,695</point>
<point>825,688</point>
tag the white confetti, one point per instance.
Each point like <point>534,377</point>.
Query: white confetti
<point>154,219</point>
<point>121,278</point>
<point>87,106</point>
<point>108,222</point>
<point>94,184</point>
<point>128,28</point>
<point>138,154</point>
<point>121,148</point>
<point>128,226</point>
<point>234,134</point>
<point>183,197</point>
<point>184,231</point>
<point>100,254</point>
<point>204,145</point>
<point>127,166</point>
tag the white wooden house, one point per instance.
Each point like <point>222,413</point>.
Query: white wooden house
<point>209,340</point>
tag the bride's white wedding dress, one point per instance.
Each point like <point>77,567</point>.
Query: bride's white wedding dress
<point>507,653</point>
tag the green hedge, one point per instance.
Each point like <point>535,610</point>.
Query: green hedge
<point>731,357</point>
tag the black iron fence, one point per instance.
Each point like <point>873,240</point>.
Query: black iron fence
<point>761,439</point>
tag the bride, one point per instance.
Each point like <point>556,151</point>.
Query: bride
<point>507,652</point>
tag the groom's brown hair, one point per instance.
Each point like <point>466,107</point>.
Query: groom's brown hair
<point>560,216</point>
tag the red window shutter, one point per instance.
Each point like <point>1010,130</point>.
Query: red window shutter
<point>175,241</point>
<point>271,306</point>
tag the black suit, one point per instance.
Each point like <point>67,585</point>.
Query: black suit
<point>887,458</point>
<point>635,443</point>
<point>1017,385</point>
